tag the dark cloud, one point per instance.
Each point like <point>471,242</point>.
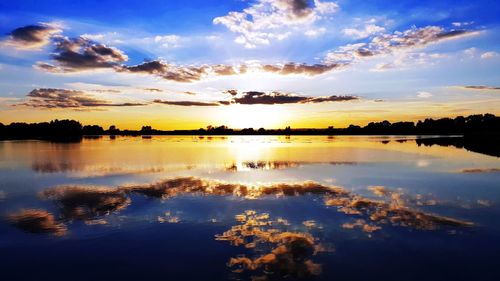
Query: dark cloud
<point>188,103</point>
<point>37,221</point>
<point>481,87</point>
<point>294,68</point>
<point>31,37</point>
<point>232,92</point>
<point>255,97</point>
<point>63,98</point>
<point>153,90</point>
<point>480,170</point>
<point>79,54</point>
<point>168,71</point>
<point>184,74</point>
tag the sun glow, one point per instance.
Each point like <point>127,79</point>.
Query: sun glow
<point>255,116</point>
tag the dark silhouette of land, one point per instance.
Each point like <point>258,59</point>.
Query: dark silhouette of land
<point>480,124</point>
<point>480,132</point>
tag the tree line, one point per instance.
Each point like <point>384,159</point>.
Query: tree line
<point>479,124</point>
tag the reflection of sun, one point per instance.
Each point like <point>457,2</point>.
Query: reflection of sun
<point>255,116</point>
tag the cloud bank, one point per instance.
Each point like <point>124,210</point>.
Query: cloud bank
<point>62,98</point>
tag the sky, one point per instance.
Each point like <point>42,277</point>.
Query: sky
<point>256,63</point>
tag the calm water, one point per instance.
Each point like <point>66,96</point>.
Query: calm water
<point>247,208</point>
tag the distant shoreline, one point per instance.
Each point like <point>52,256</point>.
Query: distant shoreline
<point>484,126</point>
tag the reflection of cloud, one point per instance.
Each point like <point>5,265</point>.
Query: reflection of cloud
<point>395,211</point>
<point>84,171</point>
<point>169,218</point>
<point>288,253</point>
<point>87,202</point>
<point>361,223</point>
<point>37,221</point>
<point>90,203</point>
<point>262,165</point>
<point>185,185</point>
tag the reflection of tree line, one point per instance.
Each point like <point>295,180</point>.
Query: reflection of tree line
<point>481,144</point>
<point>471,125</point>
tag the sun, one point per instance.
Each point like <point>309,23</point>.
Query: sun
<point>255,116</point>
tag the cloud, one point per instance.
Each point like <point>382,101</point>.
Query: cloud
<point>37,221</point>
<point>187,103</point>
<point>315,32</point>
<point>255,97</point>
<point>63,98</point>
<point>480,170</point>
<point>152,89</point>
<point>168,41</point>
<point>480,87</point>
<point>364,32</point>
<point>489,55</point>
<point>268,20</point>
<point>294,68</point>
<point>79,54</point>
<point>460,24</point>
<point>31,37</point>
<point>183,73</point>
<point>395,42</point>
<point>424,95</point>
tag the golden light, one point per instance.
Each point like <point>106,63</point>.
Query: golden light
<point>255,116</point>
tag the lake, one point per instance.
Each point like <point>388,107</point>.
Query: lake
<point>248,208</point>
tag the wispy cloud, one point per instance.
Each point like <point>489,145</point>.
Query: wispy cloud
<point>390,43</point>
<point>62,98</point>
<point>480,87</point>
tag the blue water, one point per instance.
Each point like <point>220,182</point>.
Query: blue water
<point>205,233</point>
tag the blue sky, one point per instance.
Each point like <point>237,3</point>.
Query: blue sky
<point>409,59</point>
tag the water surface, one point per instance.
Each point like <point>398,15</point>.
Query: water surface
<point>247,208</point>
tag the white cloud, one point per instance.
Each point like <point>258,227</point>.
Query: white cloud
<point>315,32</point>
<point>460,24</point>
<point>167,41</point>
<point>424,95</point>
<point>393,43</point>
<point>364,32</point>
<point>268,20</point>
<point>489,55</point>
